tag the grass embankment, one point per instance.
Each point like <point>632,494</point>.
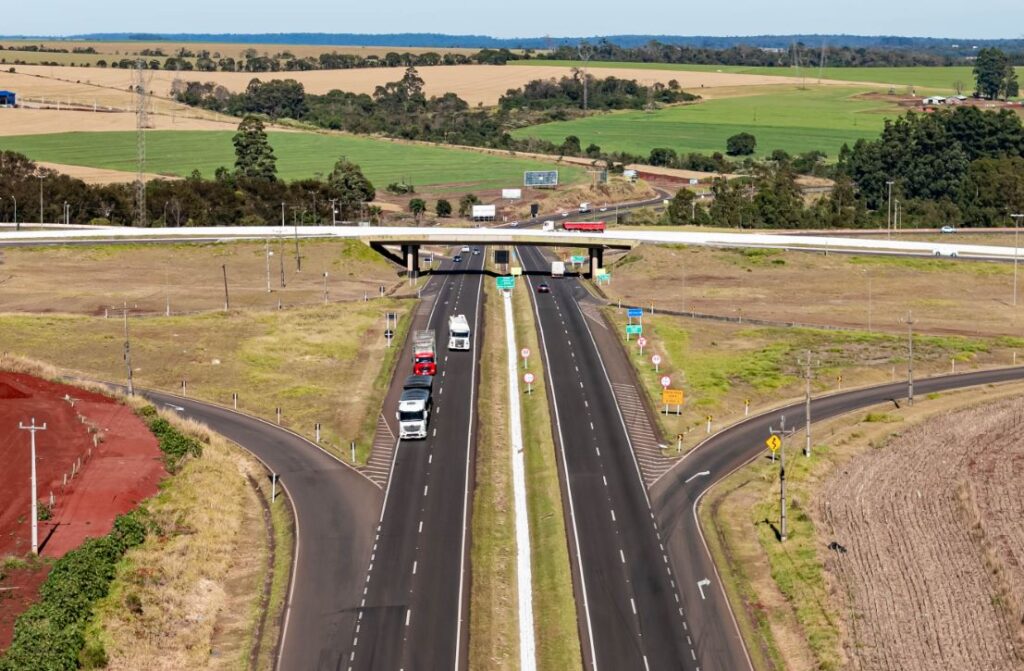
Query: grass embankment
<point>187,277</point>
<point>720,366</point>
<point>780,117</point>
<point>300,155</point>
<point>494,633</point>
<point>788,608</point>
<point>557,634</point>
<point>327,364</point>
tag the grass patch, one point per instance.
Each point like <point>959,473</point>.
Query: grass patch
<point>300,155</point>
<point>494,635</point>
<point>820,118</point>
<point>327,364</point>
<point>980,269</point>
<point>557,635</point>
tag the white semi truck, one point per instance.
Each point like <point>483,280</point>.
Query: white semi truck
<point>413,414</point>
<point>558,269</point>
<point>458,332</point>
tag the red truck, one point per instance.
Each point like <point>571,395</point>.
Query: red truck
<point>584,226</point>
<point>424,353</point>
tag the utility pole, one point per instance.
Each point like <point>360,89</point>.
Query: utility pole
<point>783,433</point>
<point>227,303</point>
<point>807,401</point>
<point>128,351</point>
<point>268,264</point>
<point>1016,231</point>
<point>298,258</point>
<point>334,211</point>
<point>40,198</point>
<point>910,358</point>
<point>888,211</point>
<point>32,428</point>
<point>280,253</point>
<point>325,287</point>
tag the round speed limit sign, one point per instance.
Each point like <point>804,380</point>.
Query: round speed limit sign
<point>525,352</point>
<point>641,341</point>
<point>528,378</point>
<point>656,359</point>
<point>666,381</point>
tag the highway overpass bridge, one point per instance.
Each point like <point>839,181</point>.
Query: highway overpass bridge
<point>408,240</point>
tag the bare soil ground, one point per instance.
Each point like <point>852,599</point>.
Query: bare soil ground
<point>476,84</point>
<point>932,576</point>
<point>90,280</point>
<point>26,121</point>
<point>946,296</point>
<point>97,175</point>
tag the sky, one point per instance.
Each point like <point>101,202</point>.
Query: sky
<point>523,18</point>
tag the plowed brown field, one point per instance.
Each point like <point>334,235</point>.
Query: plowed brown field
<point>933,575</point>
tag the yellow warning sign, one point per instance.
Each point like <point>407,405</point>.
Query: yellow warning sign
<point>773,443</point>
<point>516,271</point>
<point>672,397</point>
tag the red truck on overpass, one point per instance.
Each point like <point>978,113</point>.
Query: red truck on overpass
<point>584,226</point>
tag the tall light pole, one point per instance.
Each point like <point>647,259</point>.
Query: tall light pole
<point>32,428</point>
<point>910,358</point>
<point>807,402</point>
<point>1016,232</point>
<point>888,211</point>
<point>783,433</point>
<point>128,348</point>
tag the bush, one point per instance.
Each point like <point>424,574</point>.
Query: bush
<point>99,221</point>
<point>175,445</point>
<point>741,144</point>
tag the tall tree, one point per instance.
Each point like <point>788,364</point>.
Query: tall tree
<point>680,208</point>
<point>348,184</point>
<point>417,206</point>
<point>990,72</point>
<point>443,208</point>
<point>254,157</point>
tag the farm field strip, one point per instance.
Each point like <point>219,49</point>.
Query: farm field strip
<point>300,155</point>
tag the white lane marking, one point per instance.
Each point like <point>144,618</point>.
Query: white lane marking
<point>425,489</point>
<point>415,563</point>
<point>622,556</point>
<point>408,614</point>
<point>697,475</point>
<point>632,603</point>
<point>421,527</point>
<point>613,515</point>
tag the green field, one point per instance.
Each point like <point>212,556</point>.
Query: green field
<point>785,118</point>
<point>940,79</point>
<point>299,155</point>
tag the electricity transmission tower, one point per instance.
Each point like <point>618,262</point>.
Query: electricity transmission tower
<point>139,83</point>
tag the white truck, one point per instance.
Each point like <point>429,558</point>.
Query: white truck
<point>549,225</point>
<point>558,269</point>
<point>413,414</point>
<point>458,332</point>
<point>584,208</point>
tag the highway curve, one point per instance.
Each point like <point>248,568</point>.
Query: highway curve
<point>413,608</point>
<point>335,510</point>
<point>626,596</point>
<point>675,501</point>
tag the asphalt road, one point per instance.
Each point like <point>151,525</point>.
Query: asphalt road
<point>335,507</point>
<point>675,500</point>
<point>629,617</point>
<point>413,611</point>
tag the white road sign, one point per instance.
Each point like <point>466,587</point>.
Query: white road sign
<point>666,381</point>
<point>656,359</point>
<point>525,352</point>
<point>528,378</point>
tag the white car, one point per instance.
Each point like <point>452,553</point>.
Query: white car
<point>514,224</point>
<point>466,249</point>
<point>565,214</point>
<point>948,229</point>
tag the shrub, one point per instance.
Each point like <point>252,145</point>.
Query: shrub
<point>175,445</point>
<point>741,144</point>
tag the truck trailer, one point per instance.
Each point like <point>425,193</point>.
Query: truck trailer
<point>558,269</point>
<point>424,353</point>
<point>458,332</point>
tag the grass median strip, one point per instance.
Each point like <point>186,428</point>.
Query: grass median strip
<point>557,634</point>
<point>494,638</point>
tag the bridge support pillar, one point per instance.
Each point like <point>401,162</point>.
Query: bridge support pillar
<point>596,260</point>
<point>411,255</point>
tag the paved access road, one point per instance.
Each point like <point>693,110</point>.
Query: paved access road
<point>626,595</point>
<point>413,609</point>
<point>675,501</point>
<point>335,508</point>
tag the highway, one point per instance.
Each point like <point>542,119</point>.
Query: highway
<point>335,509</point>
<point>625,590</point>
<point>413,609</point>
<point>675,501</point>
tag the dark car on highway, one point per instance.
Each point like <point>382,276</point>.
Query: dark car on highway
<point>457,258</point>
<point>543,288</point>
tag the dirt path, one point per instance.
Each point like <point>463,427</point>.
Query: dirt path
<point>932,576</point>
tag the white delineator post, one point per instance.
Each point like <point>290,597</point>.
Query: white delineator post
<point>524,571</point>
<point>32,428</point>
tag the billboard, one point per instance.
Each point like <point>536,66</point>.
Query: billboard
<point>483,211</point>
<point>512,194</point>
<point>540,178</point>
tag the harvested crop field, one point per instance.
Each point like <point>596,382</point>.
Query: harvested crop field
<point>933,576</point>
<point>26,121</point>
<point>476,84</point>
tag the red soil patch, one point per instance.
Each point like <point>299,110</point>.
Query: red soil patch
<point>115,460</point>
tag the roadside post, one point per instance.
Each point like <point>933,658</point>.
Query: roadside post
<point>32,428</point>
<point>528,379</point>
<point>709,424</point>
<point>234,400</point>
<point>273,487</point>
<point>316,430</point>
<point>746,407</point>
<point>525,353</point>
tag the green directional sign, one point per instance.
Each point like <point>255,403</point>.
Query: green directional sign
<point>579,259</point>
<point>506,282</point>
<point>634,329</point>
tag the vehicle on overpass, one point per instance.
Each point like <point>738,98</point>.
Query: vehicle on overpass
<point>558,269</point>
<point>548,225</point>
<point>424,353</point>
<point>585,226</point>
<point>413,414</point>
<point>458,332</point>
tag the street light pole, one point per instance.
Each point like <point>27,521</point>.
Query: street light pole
<point>888,211</point>
<point>910,358</point>
<point>807,402</point>
<point>128,349</point>
<point>1016,232</point>
<point>32,428</point>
